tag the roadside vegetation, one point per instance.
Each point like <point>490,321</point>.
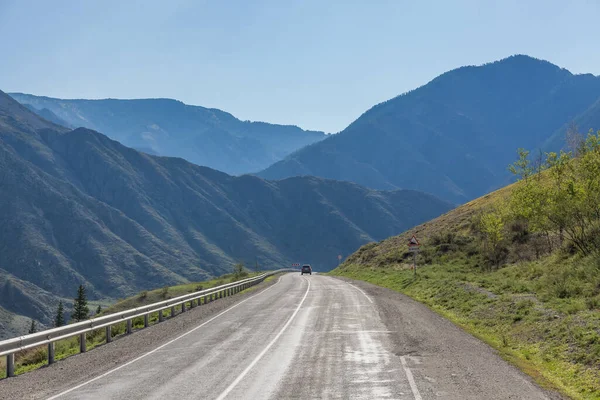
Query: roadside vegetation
<point>518,268</point>
<point>34,358</point>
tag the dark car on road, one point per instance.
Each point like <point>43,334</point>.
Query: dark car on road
<point>306,269</point>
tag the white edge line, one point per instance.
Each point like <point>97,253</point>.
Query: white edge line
<point>360,290</point>
<point>262,353</point>
<point>160,347</point>
<point>411,379</point>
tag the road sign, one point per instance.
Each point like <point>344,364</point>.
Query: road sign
<point>413,241</point>
<point>339,257</point>
<point>413,246</point>
<point>295,265</point>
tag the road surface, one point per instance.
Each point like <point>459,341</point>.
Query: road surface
<point>304,337</point>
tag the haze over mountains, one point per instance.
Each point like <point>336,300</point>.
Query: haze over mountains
<point>204,136</point>
<point>454,136</point>
<point>79,208</point>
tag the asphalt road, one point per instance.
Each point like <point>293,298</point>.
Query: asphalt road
<point>310,337</point>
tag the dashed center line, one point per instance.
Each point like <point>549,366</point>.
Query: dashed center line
<point>262,353</point>
<point>162,346</point>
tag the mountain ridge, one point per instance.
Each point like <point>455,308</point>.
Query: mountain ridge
<point>454,136</point>
<point>169,127</point>
<point>77,207</point>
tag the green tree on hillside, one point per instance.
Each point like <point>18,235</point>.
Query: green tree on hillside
<point>238,271</point>
<point>80,307</point>
<point>99,309</point>
<point>32,327</point>
<point>566,201</point>
<point>522,167</point>
<point>59,320</point>
<point>492,229</point>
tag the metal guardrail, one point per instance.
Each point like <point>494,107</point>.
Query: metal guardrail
<point>48,337</point>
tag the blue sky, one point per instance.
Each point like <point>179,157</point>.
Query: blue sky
<point>315,64</point>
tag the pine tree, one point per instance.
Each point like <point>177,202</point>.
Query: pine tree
<point>99,309</point>
<point>80,307</point>
<point>59,320</point>
<point>32,328</point>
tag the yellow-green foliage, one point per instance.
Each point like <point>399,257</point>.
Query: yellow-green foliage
<point>566,201</point>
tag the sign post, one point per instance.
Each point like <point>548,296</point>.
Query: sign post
<point>339,259</point>
<point>413,246</point>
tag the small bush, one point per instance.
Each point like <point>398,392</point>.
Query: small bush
<point>519,231</point>
<point>164,292</point>
<point>593,303</point>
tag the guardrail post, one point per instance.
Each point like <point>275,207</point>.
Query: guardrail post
<point>146,322</point>
<point>50,353</point>
<point>183,307</point>
<point>161,317</point>
<point>172,311</point>
<point>82,343</point>
<point>10,365</point>
<point>129,326</point>
<point>206,299</point>
<point>108,334</point>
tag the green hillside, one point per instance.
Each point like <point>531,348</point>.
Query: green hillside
<point>518,268</point>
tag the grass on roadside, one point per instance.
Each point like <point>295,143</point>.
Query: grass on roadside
<point>545,321</point>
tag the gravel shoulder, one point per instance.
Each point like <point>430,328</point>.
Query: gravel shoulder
<point>73,370</point>
<point>447,362</point>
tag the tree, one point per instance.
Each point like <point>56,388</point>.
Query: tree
<point>522,167</point>
<point>59,320</point>
<point>238,271</point>
<point>80,307</point>
<point>32,328</point>
<point>567,199</point>
<point>574,139</point>
<point>99,309</point>
<point>492,228</point>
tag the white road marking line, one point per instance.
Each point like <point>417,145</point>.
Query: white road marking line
<point>411,380</point>
<point>360,290</point>
<point>262,353</point>
<point>162,346</point>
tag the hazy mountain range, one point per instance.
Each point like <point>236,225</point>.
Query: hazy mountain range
<point>455,136</point>
<point>203,136</point>
<point>79,208</point>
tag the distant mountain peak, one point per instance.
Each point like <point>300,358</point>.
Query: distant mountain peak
<point>168,127</point>
<point>455,135</point>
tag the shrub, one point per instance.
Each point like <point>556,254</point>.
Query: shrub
<point>164,292</point>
